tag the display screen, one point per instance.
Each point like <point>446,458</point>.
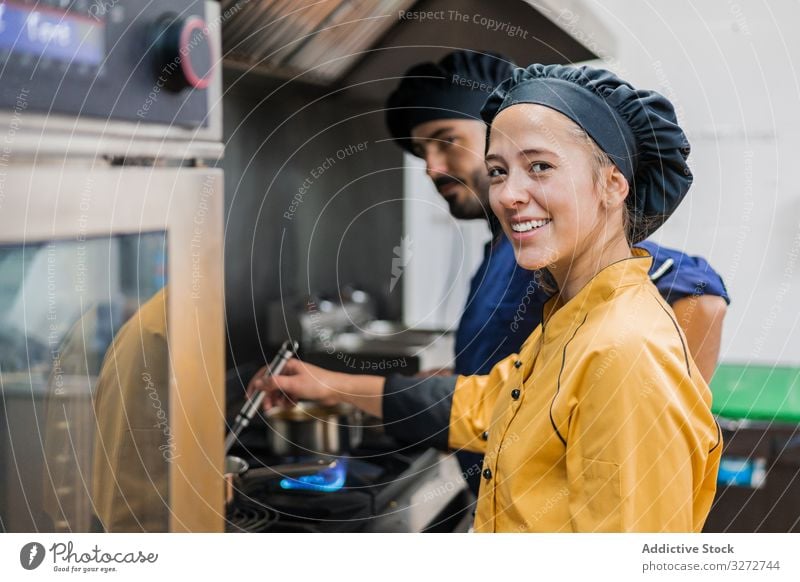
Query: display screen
<point>51,33</point>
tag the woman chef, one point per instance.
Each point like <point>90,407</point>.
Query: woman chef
<point>602,422</point>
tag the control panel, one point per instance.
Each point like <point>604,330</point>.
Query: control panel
<point>148,61</point>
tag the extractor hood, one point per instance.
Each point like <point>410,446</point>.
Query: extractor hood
<point>355,43</point>
<point>319,39</point>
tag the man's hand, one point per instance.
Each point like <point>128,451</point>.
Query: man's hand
<point>297,381</point>
<point>301,381</point>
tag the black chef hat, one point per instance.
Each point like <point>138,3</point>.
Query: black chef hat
<point>455,88</point>
<point>637,129</point>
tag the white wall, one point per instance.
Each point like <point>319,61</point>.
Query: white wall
<point>732,69</point>
<point>440,253</point>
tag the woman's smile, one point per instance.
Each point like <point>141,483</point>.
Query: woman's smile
<point>527,228</point>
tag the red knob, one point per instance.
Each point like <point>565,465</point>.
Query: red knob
<point>183,52</point>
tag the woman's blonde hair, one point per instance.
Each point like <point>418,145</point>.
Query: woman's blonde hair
<point>634,227</point>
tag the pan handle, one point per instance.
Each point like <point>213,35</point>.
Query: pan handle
<point>290,470</point>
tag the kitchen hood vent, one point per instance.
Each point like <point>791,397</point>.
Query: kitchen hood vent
<point>322,39</point>
<point>365,45</point>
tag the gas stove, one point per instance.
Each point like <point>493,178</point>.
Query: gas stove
<point>249,518</point>
<point>383,488</point>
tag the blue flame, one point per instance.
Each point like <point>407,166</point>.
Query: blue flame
<point>327,481</point>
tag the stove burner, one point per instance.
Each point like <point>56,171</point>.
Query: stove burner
<point>249,518</point>
<point>374,488</point>
<point>328,480</point>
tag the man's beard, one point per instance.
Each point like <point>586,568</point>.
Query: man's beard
<point>476,203</point>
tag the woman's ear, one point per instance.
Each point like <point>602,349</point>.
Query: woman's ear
<point>615,187</point>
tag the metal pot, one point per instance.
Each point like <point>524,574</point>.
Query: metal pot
<point>312,429</point>
<point>234,469</point>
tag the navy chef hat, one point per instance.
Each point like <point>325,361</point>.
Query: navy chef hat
<point>637,129</point>
<point>454,88</point>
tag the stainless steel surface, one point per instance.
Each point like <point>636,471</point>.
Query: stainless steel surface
<point>235,467</point>
<point>366,46</point>
<point>320,41</point>
<point>316,320</point>
<point>433,350</point>
<point>415,505</point>
<point>311,429</point>
<point>53,134</point>
<point>75,202</point>
<point>62,186</point>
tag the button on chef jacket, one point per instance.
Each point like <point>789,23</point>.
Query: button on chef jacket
<point>601,422</point>
<point>504,305</point>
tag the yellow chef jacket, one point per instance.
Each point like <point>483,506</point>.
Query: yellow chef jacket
<point>602,422</point>
<point>133,442</point>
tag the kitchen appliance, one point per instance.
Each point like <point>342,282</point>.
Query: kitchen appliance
<point>377,487</point>
<point>111,303</point>
<point>351,43</point>
<point>758,485</point>
<point>317,320</point>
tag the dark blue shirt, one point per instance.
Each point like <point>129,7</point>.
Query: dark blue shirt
<point>686,277</point>
<point>505,301</point>
<point>504,306</point>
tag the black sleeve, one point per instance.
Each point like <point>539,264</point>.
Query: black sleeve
<point>417,410</point>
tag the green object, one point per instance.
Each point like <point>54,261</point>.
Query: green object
<point>757,392</point>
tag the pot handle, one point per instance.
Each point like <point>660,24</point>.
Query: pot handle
<point>290,470</point>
